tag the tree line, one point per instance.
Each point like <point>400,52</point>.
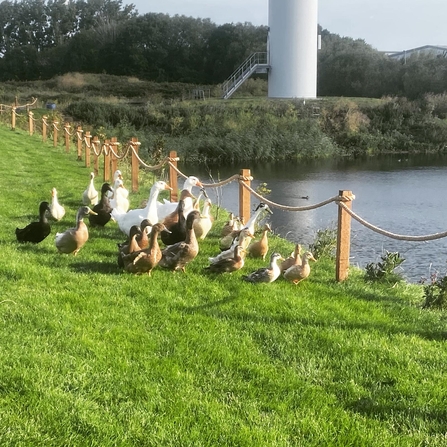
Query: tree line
<point>40,39</point>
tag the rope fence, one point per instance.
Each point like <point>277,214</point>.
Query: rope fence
<point>113,152</point>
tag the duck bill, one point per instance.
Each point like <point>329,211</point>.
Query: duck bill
<point>268,210</point>
<point>92,212</point>
<point>168,187</point>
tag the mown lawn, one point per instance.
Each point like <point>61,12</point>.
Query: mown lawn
<point>92,356</point>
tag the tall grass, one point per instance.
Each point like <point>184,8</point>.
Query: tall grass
<point>91,356</point>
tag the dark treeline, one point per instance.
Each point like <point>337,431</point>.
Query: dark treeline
<point>41,39</point>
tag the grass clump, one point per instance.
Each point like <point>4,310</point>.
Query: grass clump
<point>90,355</point>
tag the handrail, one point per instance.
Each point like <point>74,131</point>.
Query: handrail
<point>243,70</point>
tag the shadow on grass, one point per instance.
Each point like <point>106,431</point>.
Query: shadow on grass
<point>368,407</point>
<point>109,268</point>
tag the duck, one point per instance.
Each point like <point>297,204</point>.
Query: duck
<point>150,211</point>
<point>243,240</point>
<point>118,179</point>
<point>102,209</point>
<point>229,265</point>
<point>266,274</point>
<point>144,261</point>
<point>129,246</point>
<point>256,215</point>
<point>57,211</point>
<point>36,232</point>
<point>177,227</point>
<point>168,207</point>
<point>176,257</point>
<point>203,226</point>
<point>119,198</point>
<point>259,249</point>
<point>226,242</point>
<point>90,195</point>
<point>293,259</point>
<point>73,239</point>
<point>229,226</point>
<point>143,238</point>
<point>296,273</point>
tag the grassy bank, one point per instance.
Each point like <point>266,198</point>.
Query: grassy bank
<point>249,126</point>
<point>92,356</point>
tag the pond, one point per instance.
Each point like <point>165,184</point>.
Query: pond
<point>400,194</point>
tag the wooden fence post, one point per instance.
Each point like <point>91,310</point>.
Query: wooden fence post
<point>244,195</point>
<point>135,164</point>
<point>87,141</point>
<point>107,157</point>
<point>44,128</point>
<point>113,159</point>
<point>96,150</point>
<point>13,118</point>
<point>343,239</point>
<point>55,123</point>
<point>173,183</point>
<point>67,137</point>
<point>30,123</point>
<point>79,138</point>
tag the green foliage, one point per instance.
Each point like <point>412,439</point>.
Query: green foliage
<point>435,292</point>
<point>324,244</point>
<point>384,270</point>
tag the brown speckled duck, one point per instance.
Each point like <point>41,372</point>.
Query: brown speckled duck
<point>266,274</point>
<point>229,265</point>
<point>177,256</point>
<point>296,273</point>
<point>258,249</point>
<point>144,261</point>
<point>73,239</point>
<point>36,232</point>
<point>129,246</point>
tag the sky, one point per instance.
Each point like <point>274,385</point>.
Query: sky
<point>387,25</point>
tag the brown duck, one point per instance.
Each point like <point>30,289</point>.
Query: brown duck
<point>293,259</point>
<point>177,256</point>
<point>144,261</point>
<point>258,249</point>
<point>129,246</point>
<point>73,239</point>
<point>296,273</point>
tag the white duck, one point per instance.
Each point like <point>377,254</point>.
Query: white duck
<point>117,176</point>
<point>90,195</point>
<point>119,201</point>
<point>204,224</point>
<point>56,209</point>
<point>255,217</point>
<point>134,217</point>
<point>168,207</point>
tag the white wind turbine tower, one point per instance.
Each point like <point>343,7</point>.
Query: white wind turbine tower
<point>292,48</point>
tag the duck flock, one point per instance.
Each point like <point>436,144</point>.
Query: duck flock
<point>177,225</point>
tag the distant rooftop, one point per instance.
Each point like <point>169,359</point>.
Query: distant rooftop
<point>435,50</point>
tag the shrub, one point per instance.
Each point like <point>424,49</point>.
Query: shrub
<point>385,270</point>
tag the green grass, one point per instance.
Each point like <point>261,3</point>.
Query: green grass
<point>92,356</point>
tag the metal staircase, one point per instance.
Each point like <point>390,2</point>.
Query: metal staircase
<point>256,63</point>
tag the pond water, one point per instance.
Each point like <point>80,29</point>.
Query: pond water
<point>402,195</point>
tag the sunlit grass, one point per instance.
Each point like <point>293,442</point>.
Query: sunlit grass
<point>93,356</point>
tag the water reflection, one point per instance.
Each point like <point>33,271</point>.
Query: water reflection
<point>402,195</point>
